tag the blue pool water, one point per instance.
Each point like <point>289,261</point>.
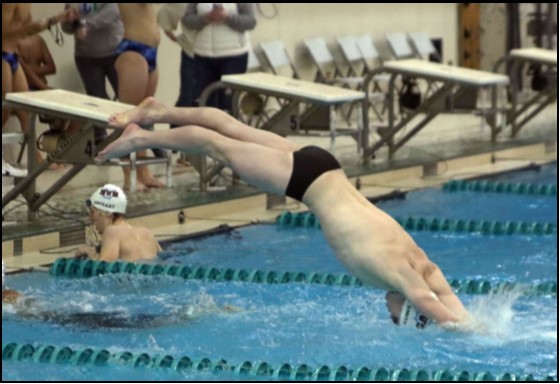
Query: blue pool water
<point>299,323</point>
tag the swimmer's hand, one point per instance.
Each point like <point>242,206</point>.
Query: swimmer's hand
<point>464,325</point>
<point>85,251</point>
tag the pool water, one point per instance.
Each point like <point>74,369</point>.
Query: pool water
<point>299,323</point>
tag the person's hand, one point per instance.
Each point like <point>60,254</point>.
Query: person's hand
<point>84,251</point>
<point>171,36</point>
<point>217,15</point>
<point>80,33</point>
<point>68,16</point>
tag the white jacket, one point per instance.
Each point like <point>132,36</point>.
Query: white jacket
<point>221,39</point>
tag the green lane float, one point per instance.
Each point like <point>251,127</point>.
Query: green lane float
<point>465,286</point>
<point>487,227</point>
<point>485,186</point>
<point>300,220</point>
<point>62,355</point>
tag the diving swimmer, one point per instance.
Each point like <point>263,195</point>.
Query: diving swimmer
<point>366,240</point>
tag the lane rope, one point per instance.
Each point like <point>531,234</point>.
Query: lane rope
<point>63,355</point>
<point>76,268</point>
<point>486,227</point>
<point>500,187</point>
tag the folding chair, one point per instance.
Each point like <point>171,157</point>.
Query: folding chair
<point>253,65</point>
<point>425,50</point>
<point>354,58</point>
<point>351,53</point>
<point>328,70</point>
<point>424,47</point>
<point>252,107</point>
<point>400,48</point>
<point>314,117</point>
<point>278,59</point>
<point>369,52</point>
<point>371,59</point>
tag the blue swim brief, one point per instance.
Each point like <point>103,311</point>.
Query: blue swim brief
<point>149,53</point>
<point>12,59</point>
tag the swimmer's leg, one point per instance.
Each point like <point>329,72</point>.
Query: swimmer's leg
<point>246,159</point>
<point>6,87</point>
<point>151,111</point>
<point>132,70</point>
<point>134,82</point>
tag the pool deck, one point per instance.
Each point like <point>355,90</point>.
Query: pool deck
<point>453,146</point>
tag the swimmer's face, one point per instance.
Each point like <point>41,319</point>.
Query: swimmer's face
<point>99,219</point>
<point>395,302</point>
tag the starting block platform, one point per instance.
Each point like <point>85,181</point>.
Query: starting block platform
<point>79,150</point>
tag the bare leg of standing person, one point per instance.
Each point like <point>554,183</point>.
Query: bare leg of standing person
<point>134,83</point>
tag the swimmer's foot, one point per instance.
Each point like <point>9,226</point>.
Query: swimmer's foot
<point>139,186</point>
<point>147,112</point>
<point>151,182</point>
<point>184,162</point>
<point>51,167</point>
<point>132,139</point>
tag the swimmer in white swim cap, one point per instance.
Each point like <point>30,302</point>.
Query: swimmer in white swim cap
<point>119,240</point>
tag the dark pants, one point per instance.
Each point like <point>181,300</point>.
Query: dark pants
<point>186,90</point>
<point>93,72</point>
<point>209,70</point>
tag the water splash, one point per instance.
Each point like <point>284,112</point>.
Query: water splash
<point>492,315</point>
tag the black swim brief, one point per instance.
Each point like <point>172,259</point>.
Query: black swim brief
<point>309,163</point>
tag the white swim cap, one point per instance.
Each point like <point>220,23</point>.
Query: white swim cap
<point>108,198</point>
<point>410,317</point>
